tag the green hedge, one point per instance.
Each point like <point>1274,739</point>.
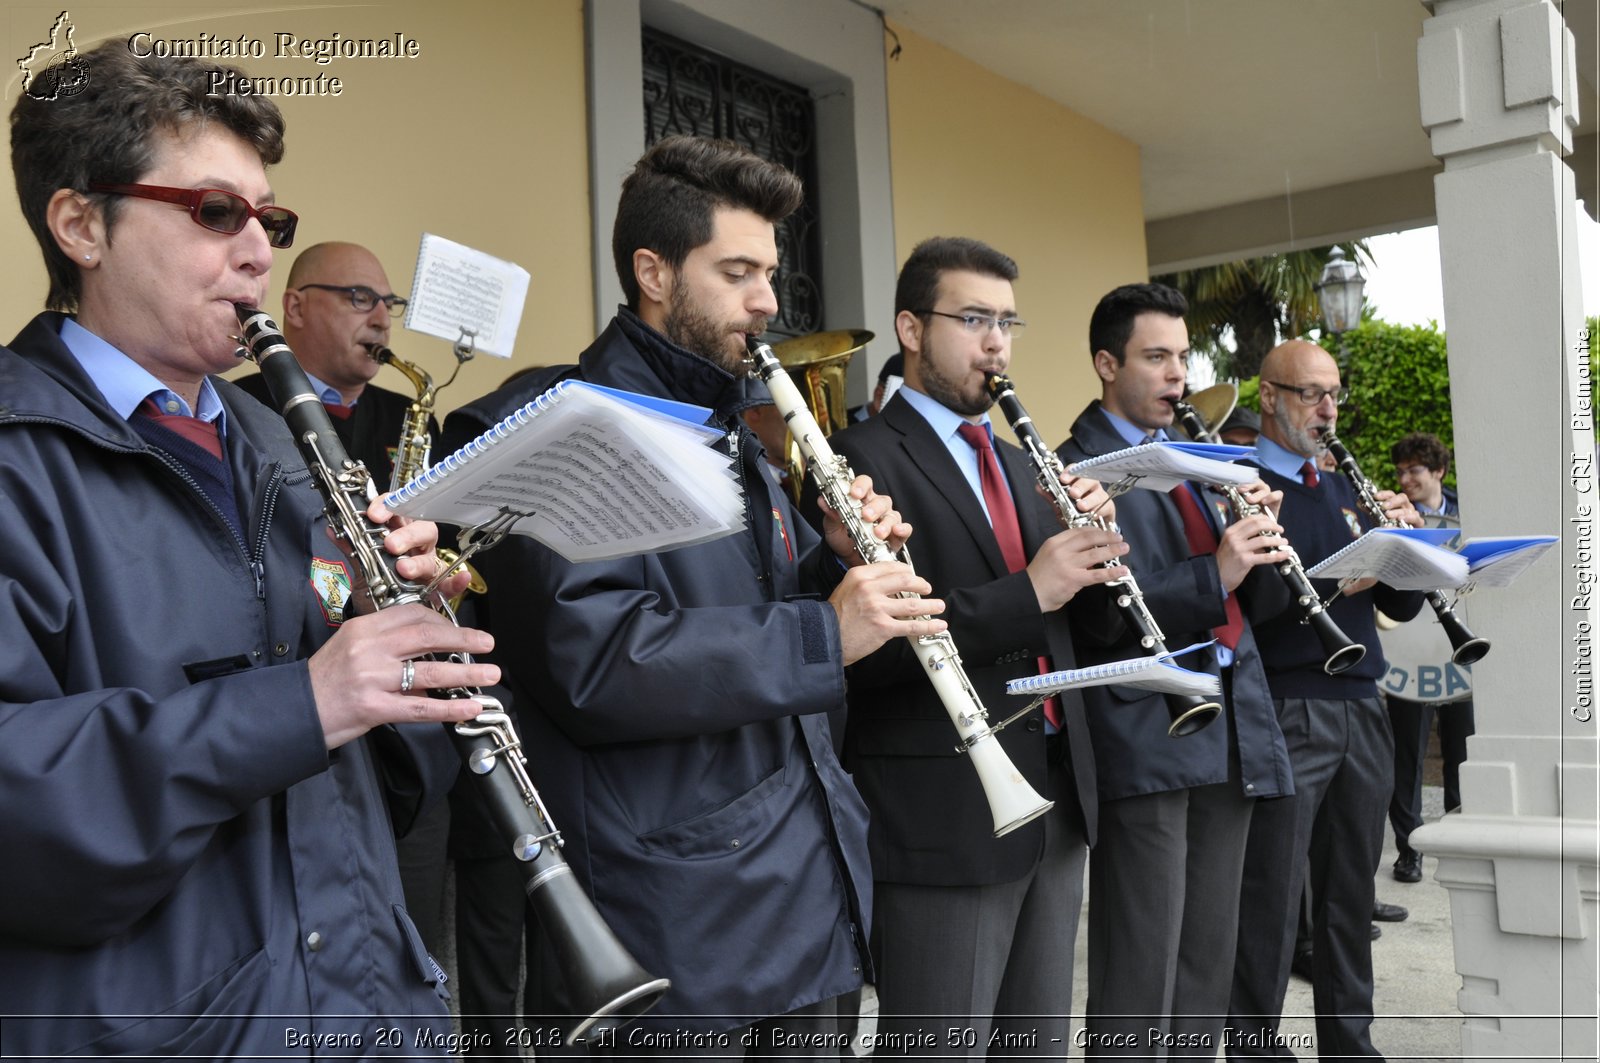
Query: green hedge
<point>1399,382</point>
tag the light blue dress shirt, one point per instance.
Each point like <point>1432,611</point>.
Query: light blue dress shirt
<point>946,424</point>
<point>126,384</point>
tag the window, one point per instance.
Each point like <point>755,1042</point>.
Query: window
<point>690,90</point>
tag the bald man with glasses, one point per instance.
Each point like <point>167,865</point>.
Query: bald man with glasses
<point>337,303</point>
<point>1337,732</point>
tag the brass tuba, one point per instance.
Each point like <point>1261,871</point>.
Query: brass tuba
<point>411,456</point>
<point>817,364</point>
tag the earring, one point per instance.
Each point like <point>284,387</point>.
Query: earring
<point>88,258</point>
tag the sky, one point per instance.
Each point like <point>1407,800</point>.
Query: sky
<point>1403,283</point>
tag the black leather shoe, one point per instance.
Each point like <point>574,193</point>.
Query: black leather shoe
<point>1389,913</point>
<point>1300,966</point>
<point>1408,868</point>
<point>1377,931</point>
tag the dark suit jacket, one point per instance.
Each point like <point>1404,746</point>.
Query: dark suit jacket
<point>1133,752</point>
<point>930,821</point>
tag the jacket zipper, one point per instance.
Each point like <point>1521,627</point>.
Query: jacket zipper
<point>763,578</point>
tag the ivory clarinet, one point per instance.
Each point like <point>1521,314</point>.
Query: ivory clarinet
<point>1465,646</point>
<point>1342,653</point>
<point>1012,801</point>
<point>605,982</point>
<point>1187,712</point>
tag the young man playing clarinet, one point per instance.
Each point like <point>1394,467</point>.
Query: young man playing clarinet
<point>1174,811</point>
<point>972,929</point>
<point>676,704</point>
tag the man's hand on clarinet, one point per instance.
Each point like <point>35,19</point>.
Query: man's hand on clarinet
<point>877,511</point>
<point>871,611</point>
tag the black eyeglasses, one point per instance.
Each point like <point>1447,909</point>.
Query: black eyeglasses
<point>216,209</point>
<point>362,297</point>
<point>978,323</point>
<point>1313,395</point>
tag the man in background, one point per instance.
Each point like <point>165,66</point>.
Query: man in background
<point>1421,462</point>
<point>337,305</point>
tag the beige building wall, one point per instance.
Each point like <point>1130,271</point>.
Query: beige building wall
<point>480,139</point>
<point>976,155</point>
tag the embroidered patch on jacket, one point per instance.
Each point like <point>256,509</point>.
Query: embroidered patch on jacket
<point>1354,521</point>
<point>331,581</point>
<point>783,532</point>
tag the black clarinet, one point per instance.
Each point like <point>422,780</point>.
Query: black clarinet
<point>1342,653</point>
<point>604,979</point>
<point>1188,712</point>
<point>1465,646</point>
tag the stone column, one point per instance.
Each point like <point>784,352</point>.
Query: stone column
<point>1498,99</point>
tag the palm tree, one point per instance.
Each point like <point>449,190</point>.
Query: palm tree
<point>1259,300</point>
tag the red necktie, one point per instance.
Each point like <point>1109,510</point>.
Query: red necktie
<point>341,412</point>
<point>1003,518</point>
<point>1308,474</point>
<point>1203,540</point>
<point>202,434</point>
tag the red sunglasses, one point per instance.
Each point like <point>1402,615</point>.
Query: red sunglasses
<point>216,209</point>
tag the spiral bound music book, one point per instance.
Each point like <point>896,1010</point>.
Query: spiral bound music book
<point>592,472</point>
<point>1497,560</point>
<point>1407,559</point>
<point>1148,673</point>
<point>1163,466</point>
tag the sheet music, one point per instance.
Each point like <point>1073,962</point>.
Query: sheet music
<point>1497,560</point>
<point>457,287</point>
<point>593,475</point>
<point>1406,559</point>
<point>1163,466</point>
<point>1147,673</point>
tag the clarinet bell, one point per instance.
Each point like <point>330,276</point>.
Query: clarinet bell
<point>1466,648</point>
<point>1343,654</point>
<point>1012,801</point>
<point>1470,651</point>
<point>1190,714</point>
<point>601,978</point>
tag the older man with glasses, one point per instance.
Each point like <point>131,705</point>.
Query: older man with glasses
<point>1338,736</point>
<point>336,305</point>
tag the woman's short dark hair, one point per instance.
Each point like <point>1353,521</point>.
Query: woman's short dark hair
<point>918,286</point>
<point>669,199</point>
<point>1111,324</point>
<point>109,130</point>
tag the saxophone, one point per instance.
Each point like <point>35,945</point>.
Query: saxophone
<point>1012,801</point>
<point>411,456</point>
